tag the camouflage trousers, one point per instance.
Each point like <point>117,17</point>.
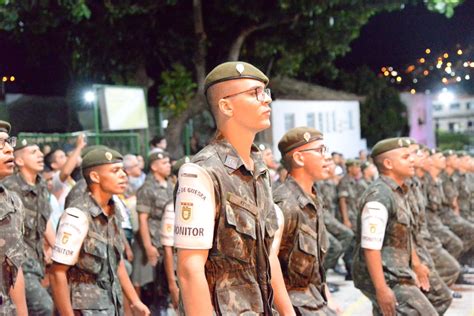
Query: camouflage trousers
<point>7,308</point>
<point>462,228</point>
<point>439,294</point>
<point>446,265</point>
<point>450,241</point>
<point>108,312</point>
<point>411,301</point>
<point>340,238</point>
<point>38,300</point>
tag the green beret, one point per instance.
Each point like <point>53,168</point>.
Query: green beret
<point>365,165</point>
<point>462,153</point>
<point>449,152</point>
<point>88,149</point>
<point>5,127</point>
<point>297,137</point>
<point>101,156</point>
<point>412,141</point>
<point>352,162</point>
<point>157,155</point>
<point>434,151</point>
<point>233,70</point>
<point>390,144</point>
<point>23,143</point>
<point>179,163</point>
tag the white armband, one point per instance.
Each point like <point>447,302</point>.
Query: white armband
<point>195,208</point>
<point>72,230</point>
<point>279,233</point>
<point>374,221</point>
<point>167,226</point>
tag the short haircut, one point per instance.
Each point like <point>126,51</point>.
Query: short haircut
<point>49,158</point>
<point>156,140</point>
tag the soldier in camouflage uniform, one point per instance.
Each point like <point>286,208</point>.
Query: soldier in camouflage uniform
<point>369,172</point>
<point>446,265</point>
<point>152,197</point>
<point>12,247</point>
<point>383,256</point>
<point>436,203</point>
<point>340,236</point>
<point>88,273</point>
<point>465,186</point>
<point>450,214</point>
<point>435,288</point>
<point>226,222</point>
<point>304,243</point>
<point>33,192</point>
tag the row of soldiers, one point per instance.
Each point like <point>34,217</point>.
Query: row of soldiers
<point>239,246</point>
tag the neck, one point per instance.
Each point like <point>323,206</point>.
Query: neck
<point>241,140</point>
<point>434,172</point>
<point>29,176</point>
<point>419,172</point>
<point>398,180</point>
<point>304,181</point>
<point>158,177</point>
<point>449,171</point>
<point>102,198</point>
<point>368,178</point>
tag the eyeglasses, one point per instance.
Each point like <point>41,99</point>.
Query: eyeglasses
<point>260,93</point>
<point>320,150</point>
<point>10,140</point>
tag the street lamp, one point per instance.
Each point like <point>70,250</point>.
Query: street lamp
<point>91,98</point>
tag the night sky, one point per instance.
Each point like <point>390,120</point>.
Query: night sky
<point>389,39</point>
<point>398,38</point>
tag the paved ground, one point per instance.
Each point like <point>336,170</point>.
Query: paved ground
<point>353,303</point>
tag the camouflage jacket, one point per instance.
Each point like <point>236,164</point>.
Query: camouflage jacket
<point>93,280</point>
<point>362,185</point>
<point>347,189</point>
<point>396,249</point>
<point>12,247</point>
<point>420,235</point>
<point>35,201</point>
<point>152,198</point>
<point>76,191</point>
<point>436,201</point>
<point>328,190</point>
<point>303,246</point>
<point>449,188</point>
<point>466,193</point>
<point>238,268</point>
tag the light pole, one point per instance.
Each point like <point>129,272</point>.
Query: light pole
<point>90,97</point>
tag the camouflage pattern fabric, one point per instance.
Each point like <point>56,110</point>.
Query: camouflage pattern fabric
<point>396,249</point>
<point>12,247</point>
<point>465,187</point>
<point>93,281</point>
<point>362,185</point>
<point>410,301</point>
<point>76,191</point>
<point>343,238</point>
<point>152,199</point>
<point>434,206</point>
<point>347,189</point>
<point>37,209</point>
<point>303,247</point>
<point>328,193</point>
<point>458,225</point>
<point>237,269</point>
<point>439,294</point>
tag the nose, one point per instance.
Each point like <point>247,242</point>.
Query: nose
<point>268,99</point>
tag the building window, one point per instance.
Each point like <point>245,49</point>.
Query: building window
<point>437,107</point>
<point>455,106</point>
<point>328,124</point>
<point>333,121</point>
<point>469,106</point>
<point>310,120</point>
<point>351,125</point>
<point>469,125</point>
<point>320,122</point>
<point>289,121</point>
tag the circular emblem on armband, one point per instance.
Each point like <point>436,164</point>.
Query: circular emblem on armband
<point>186,211</point>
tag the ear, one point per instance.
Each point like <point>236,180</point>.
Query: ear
<point>19,162</point>
<point>225,107</point>
<point>94,176</point>
<point>388,164</point>
<point>298,159</point>
<point>153,166</point>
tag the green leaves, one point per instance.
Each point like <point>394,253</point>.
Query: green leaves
<point>176,90</point>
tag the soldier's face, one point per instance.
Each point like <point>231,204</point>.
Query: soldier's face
<point>439,161</point>
<point>417,155</point>
<point>355,171</point>
<point>30,158</point>
<point>162,167</point>
<point>315,163</point>
<point>7,164</point>
<point>246,110</point>
<point>452,161</point>
<point>403,163</point>
<point>112,178</point>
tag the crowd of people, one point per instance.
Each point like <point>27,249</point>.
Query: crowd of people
<point>86,230</point>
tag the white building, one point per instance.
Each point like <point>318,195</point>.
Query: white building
<point>454,113</point>
<point>335,113</point>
